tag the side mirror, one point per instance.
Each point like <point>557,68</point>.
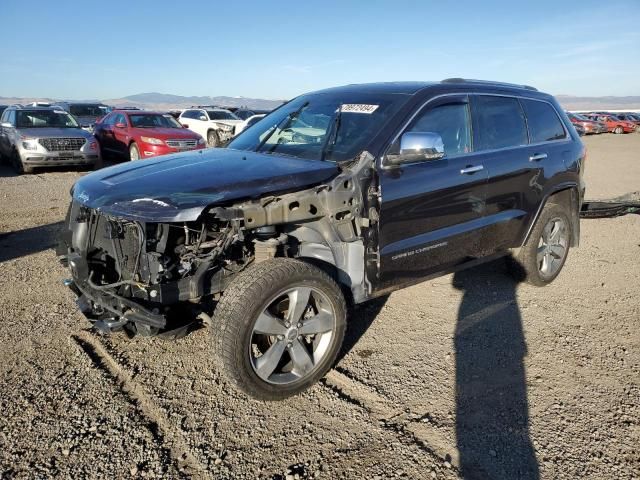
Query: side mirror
<point>120,125</point>
<point>203,118</point>
<point>418,147</point>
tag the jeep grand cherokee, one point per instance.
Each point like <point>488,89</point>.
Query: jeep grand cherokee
<point>346,193</point>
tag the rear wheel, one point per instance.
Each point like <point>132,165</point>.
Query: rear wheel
<point>618,130</point>
<point>278,328</point>
<point>545,252</point>
<point>213,140</point>
<point>134,153</point>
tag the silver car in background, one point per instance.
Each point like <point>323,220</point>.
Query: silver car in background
<point>33,137</point>
<point>85,113</point>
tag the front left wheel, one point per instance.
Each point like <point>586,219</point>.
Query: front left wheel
<point>278,328</point>
<point>134,153</point>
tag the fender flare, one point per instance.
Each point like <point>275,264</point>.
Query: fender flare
<point>575,200</point>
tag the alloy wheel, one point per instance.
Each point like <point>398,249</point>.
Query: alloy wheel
<point>292,335</point>
<point>552,246</point>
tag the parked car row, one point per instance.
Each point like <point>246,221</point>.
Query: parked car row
<point>43,134</point>
<point>603,122</point>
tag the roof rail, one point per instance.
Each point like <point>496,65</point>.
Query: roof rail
<point>16,105</point>
<point>487,82</point>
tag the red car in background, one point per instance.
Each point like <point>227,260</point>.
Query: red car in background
<point>590,126</point>
<point>629,117</point>
<point>614,124</point>
<point>136,134</point>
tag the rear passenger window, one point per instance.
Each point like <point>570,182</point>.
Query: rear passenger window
<point>451,122</point>
<point>544,124</point>
<point>499,122</point>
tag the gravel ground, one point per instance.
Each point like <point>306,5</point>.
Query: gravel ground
<point>467,375</point>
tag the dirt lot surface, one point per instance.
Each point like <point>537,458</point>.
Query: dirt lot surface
<point>470,373</point>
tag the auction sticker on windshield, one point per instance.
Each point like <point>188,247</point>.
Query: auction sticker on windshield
<point>358,108</point>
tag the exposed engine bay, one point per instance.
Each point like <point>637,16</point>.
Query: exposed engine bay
<point>149,278</point>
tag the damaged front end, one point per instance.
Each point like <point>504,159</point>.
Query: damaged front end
<point>148,277</point>
<point>154,278</point>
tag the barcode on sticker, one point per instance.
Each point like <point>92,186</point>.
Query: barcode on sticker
<point>358,108</point>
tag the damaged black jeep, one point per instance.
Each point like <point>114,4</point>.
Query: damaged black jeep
<point>336,197</point>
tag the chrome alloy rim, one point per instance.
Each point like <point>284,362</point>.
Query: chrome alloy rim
<point>552,246</point>
<point>292,335</point>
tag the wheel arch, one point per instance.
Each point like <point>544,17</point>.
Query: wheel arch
<point>342,261</point>
<point>566,195</point>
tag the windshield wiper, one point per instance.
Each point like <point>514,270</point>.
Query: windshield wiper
<point>333,134</point>
<point>280,125</point>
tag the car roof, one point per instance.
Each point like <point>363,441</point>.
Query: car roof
<point>413,87</point>
<point>36,109</point>
<point>139,112</point>
<point>407,88</point>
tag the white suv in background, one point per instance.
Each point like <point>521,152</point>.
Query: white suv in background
<point>216,125</point>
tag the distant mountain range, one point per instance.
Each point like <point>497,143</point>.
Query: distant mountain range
<point>162,101</point>
<point>165,101</point>
<point>570,102</point>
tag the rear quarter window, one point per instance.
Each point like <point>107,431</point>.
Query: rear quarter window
<point>543,121</point>
<point>498,122</point>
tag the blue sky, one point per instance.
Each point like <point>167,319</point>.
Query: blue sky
<point>109,49</point>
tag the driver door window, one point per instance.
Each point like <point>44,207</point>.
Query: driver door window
<point>449,120</point>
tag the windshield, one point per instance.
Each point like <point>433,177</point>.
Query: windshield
<point>244,114</point>
<point>153,121</point>
<point>329,126</point>
<point>88,110</point>
<point>221,115</point>
<point>44,118</point>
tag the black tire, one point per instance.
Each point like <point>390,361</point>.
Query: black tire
<point>18,165</point>
<point>618,130</point>
<point>248,295</point>
<point>134,153</point>
<point>528,266</point>
<point>213,140</point>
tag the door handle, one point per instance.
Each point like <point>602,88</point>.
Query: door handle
<point>470,169</point>
<point>537,157</point>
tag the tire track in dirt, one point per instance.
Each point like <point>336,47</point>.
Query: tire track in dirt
<point>394,419</point>
<point>158,423</point>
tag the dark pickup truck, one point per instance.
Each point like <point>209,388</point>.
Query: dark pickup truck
<point>334,198</point>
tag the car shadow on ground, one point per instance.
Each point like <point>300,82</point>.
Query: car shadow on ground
<point>492,411</point>
<point>28,241</point>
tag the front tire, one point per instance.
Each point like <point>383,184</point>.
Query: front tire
<point>545,252</point>
<point>279,327</point>
<point>213,140</point>
<point>134,153</point>
<point>618,130</point>
<point>18,164</point>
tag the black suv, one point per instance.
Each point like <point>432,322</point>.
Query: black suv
<point>336,197</point>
